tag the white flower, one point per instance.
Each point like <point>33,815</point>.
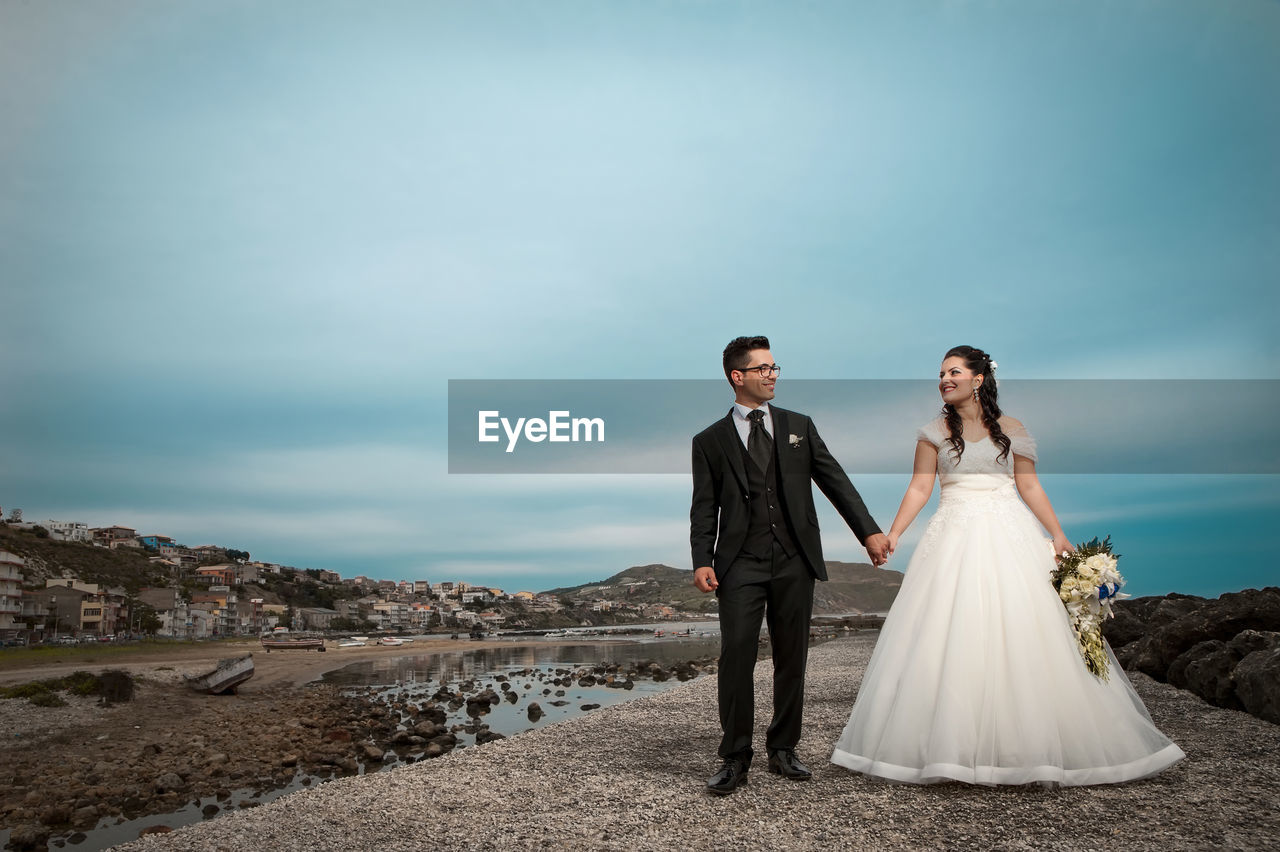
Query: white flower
<point>794,440</point>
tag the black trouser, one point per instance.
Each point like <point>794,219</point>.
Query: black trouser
<point>780,589</point>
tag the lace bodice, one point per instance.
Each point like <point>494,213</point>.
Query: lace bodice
<point>979,469</point>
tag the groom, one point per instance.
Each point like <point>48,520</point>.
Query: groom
<point>755,541</point>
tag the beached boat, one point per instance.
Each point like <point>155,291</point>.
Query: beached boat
<point>291,643</point>
<point>351,643</point>
<point>224,679</point>
<point>390,641</point>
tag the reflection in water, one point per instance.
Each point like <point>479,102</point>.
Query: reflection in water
<point>452,666</point>
<point>528,674</point>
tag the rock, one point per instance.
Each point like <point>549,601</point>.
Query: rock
<point>1205,669</point>
<point>338,735</point>
<point>209,810</point>
<point>56,814</point>
<point>169,782</point>
<point>488,736</point>
<point>587,680</point>
<point>86,817</point>
<point>155,829</point>
<point>290,759</point>
<point>1222,619</point>
<point>25,837</point>
<point>1208,668</point>
<point>589,707</point>
<point>534,711</point>
<point>1258,682</point>
<point>369,751</point>
<point>1124,626</point>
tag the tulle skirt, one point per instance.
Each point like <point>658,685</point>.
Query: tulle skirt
<point>977,677</point>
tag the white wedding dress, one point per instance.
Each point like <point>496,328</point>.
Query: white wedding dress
<point>977,676</point>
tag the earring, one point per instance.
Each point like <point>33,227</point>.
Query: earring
<point>975,395</point>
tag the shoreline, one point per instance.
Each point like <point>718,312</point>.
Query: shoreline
<point>631,777</point>
<point>277,668</point>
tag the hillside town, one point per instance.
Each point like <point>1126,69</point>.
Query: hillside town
<point>208,591</point>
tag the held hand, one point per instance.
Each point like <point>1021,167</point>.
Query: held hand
<point>893,542</point>
<point>1061,545</point>
<point>705,579</point>
<point>878,549</point>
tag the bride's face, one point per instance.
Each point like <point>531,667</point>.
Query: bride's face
<point>956,382</point>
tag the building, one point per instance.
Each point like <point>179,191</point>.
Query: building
<point>68,531</point>
<point>217,575</point>
<point>11,566</point>
<point>73,583</point>
<point>101,616</point>
<point>153,542</point>
<point>315,617</point>
<point>115,536</point>
<point>422,587</point>
<point>391,615</point>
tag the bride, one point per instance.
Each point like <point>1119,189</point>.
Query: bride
<point>976,676</point>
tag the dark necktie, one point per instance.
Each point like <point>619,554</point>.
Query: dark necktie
<point>759,444</point>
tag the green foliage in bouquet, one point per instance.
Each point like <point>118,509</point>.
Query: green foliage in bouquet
<point>1087,582</point>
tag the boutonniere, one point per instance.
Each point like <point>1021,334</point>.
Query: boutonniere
<point>794,440</point>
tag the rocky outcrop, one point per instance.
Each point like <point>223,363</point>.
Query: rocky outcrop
<point>1225,650</point>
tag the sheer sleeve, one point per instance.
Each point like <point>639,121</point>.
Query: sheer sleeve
<point>1021,442</point>
<point>933,432</point>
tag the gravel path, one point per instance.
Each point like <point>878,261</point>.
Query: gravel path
<point>631,777</point>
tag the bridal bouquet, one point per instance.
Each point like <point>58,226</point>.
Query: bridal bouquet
<point>1088,583</point>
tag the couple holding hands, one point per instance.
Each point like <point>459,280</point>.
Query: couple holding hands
<point>976,676</point>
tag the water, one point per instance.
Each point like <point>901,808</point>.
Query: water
<point>416,678</point>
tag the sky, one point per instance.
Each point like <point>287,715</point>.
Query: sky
<point>246,248</point>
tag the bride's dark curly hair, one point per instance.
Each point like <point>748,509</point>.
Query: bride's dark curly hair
<point>980,363</point>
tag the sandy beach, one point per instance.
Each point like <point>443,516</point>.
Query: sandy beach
<point>631,777</point>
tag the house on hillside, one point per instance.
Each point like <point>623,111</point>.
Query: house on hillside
<point>114,537</point>
<point>68,531</point>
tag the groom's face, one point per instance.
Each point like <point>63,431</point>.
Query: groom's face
<point>752,388</point>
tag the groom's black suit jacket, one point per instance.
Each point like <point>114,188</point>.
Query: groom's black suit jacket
<point>719,515</point>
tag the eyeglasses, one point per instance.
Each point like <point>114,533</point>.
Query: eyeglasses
<point>762,370</point>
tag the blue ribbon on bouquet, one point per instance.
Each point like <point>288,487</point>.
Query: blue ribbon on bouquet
<point>1108,590</point>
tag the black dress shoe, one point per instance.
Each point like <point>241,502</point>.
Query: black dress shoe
<point>786,764</point>
<point>732,775</point>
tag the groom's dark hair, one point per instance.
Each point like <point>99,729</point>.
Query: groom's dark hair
<point>737,352</point>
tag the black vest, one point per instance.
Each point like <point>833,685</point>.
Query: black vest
<point>766,520</point>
